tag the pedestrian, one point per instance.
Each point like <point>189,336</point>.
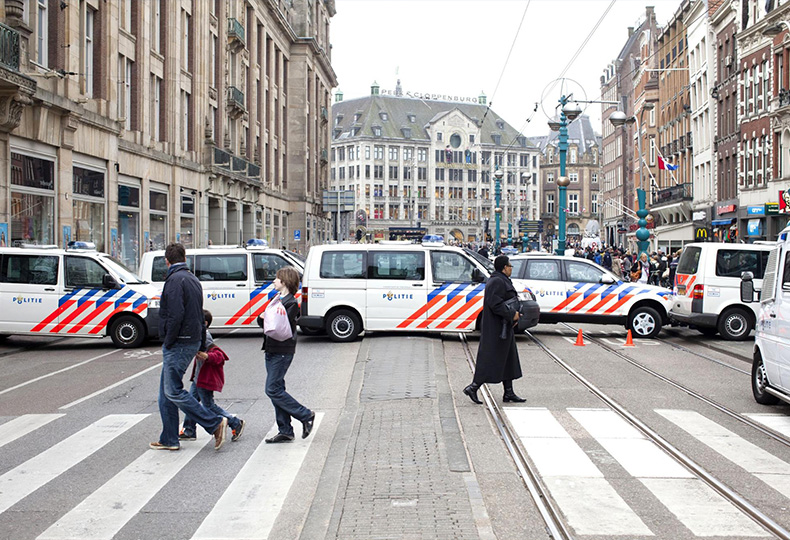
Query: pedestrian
<point>497,356</point>
<point>617,268</point>
<point>640,270</point>
<point>279,355</point>
<point>627,263</point>
<point>483,251</point>
<point>673,268</point>
<point>183,332</point>
<point>208,376</point>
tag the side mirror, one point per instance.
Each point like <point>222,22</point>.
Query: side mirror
<point>108,282</point>
<point>477,276</point>
<point>607,279</point>
<point>747,287</point>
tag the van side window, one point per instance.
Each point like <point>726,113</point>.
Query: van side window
<point>786,274</point>
<point>689,260</point>
<point>585,273</point>
<point>221,267</point>
<point>449,266</point>
<point>734,262</point>
<point>406,265</point>
<point>266,266</point>
<point>30,269</point>
<point>83,273</point>
<point>159,267</point>
<point>542,270</point>
<point>343,265</point>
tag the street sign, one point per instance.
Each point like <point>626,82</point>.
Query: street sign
<point>330,200</point>
<point>297,235</point>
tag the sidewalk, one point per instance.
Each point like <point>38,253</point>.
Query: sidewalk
<point>397,465</point>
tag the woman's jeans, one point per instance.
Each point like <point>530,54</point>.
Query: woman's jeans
<point>285,406</point>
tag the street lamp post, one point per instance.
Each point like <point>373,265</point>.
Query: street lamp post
<point>498,174</point>
<point>569,111</point>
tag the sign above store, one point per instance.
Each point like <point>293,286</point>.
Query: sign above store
<point>725,209</point>
<point>756,210</point>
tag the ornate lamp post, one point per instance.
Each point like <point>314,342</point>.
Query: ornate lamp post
<point>498,174</point>
<point>569,111</point>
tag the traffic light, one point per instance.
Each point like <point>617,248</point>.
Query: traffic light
<point>359,235</point>
<point>485,225</point>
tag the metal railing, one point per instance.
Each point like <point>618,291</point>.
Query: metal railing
<point>235,30</point>
<point>9,47</point>
<point>680,192</point>
<point>235,97</point>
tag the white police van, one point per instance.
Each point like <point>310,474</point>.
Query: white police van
<point>398,286</point>
<point>76,292</point>
<point>238,281</point>
<point>573,289</point>
<point>771,355</point>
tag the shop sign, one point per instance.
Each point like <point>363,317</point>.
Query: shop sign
<point>756,210</point>
<point>725,209</point>
<point>754,227</point>
<point>771,208</point>
<point>784,201</point>
<point>701,234</point>
<point>698,216</point>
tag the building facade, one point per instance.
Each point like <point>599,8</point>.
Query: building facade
<point>584,172</point>
<point>428,164</point>
<point>151,122</point>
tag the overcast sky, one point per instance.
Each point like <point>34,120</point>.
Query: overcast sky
<point>459,47</point>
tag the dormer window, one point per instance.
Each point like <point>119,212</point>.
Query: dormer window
<point>406,132</point>
<point>522,141</point>
<point>338,119</point>
<point>384,116</point>
<point>357,117</point>
<point>471,139</point>
<point>497,138</point>
<point>377,131</point>
<point>500,124</point>
<point>412,118</point>
<point>354,131</point>
<point>337,132</point>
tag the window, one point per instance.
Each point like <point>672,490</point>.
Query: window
<point>579,271</point>
<point>221,267</point>
<point>125,15</point>
<point>378,152</point>
<point>42,33</point>
<point>125,90</point>
<point>83,273</point>
<point>573,154</point>
<point>156,96</point>
<point>88,59</point>
<point>188,221</point>
<point>594,203</point>
<point>186,48</point>
<point>401,265</point>
<point>377,131</point>
<point>156,26</point>
<point>29,269</point>
<point>452,267</point>
<point>378,171</point>
<point>367,152</point>
<point>157,205</point>
<point>573,203</point>
<point>550,203</point>
<point>343,265</point>
<point>543,270</point>
<point>550,178</point>
<point>573,177</point>
<point>594,178</point>
<point>733,262</point>
<point>438,135</point>
<point>266,266</point>
<point>393,153</point>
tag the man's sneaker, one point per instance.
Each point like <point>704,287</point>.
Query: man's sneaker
<point>219,434</point>
<point>185,437</point>
<point>237,432</point>
<point>159,446</point>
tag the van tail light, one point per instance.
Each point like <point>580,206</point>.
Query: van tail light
<point>304,301</point>
<point>697,292</point>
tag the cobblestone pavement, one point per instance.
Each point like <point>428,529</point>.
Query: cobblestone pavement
<point>397,482</point>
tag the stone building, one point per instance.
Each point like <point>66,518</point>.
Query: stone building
<point>583,168</point>
<point>428,160</point>
<point>158,121</point>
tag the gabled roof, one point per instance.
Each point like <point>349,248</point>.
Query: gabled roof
<point>401,110</point>
<point>580,133</point>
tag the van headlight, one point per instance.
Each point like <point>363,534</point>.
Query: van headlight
<point>153,303</point>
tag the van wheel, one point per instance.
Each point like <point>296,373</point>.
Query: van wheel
<point>645,322</point>
<point>735,324</point>
<point>708,331</point>
<point>760,382</point>
<point>127,332</point>
<point>343,325</point>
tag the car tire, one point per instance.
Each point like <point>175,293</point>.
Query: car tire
<point>760,382</point>
<point>343,326</point>
<point>735,324</point>
<point>708,331</point>
<point>127,332</point>
<point>645,322</point>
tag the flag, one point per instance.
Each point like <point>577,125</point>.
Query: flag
<point>664,165</point>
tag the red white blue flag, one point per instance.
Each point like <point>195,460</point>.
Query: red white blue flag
<point>664,165</point>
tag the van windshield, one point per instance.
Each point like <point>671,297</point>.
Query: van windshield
<point>689,260</point>
<point>119,269</point>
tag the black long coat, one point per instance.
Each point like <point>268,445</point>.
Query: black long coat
<point>497,358</point>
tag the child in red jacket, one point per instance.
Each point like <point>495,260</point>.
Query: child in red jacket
<point>208,376</point>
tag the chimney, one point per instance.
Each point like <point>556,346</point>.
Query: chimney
<point>338,96</point>
<point>482,99</point>
<point>398,89</point>
<point>374,89</point>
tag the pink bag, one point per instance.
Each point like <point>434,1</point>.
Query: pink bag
<point>275,321</point>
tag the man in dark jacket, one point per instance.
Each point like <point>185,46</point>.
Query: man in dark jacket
<point>497,356</point>
<point>183,334</point>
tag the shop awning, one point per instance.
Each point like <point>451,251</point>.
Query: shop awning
<point>720,222</point>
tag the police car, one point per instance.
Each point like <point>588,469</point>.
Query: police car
<point>76,292</point>
<point>572,289</point>
<point>398,286</point>
<point>238,281</point>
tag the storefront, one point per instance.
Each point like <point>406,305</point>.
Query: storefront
<point>725,223</point>
<point>89,208</point>
<point>32,197</point>
<point>126,245</point>
<point>755,223</point>
<point>157,216</point>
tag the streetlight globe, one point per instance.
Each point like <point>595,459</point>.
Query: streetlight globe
<point>498,174</point>
<point>563,181</point>
<point>525,175</point>
<point>572,111</point>
<point>554,125</point>
<point>617,118</point>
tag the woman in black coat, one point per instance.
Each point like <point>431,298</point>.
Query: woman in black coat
<point>497,356</point>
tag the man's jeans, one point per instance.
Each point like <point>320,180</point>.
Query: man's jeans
<point>285,406</point>
<point>173,397</point>
<point>206,398</point>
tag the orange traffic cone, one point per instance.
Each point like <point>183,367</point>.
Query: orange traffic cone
<point>629,341</point>
<point>579,339</point>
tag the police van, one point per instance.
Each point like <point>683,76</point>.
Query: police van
<point>76,292</point>
<point>771,356</point>
<point>397,286</point>
<point>238,281</point>
<point>573,289</point>
<point>707,287</point>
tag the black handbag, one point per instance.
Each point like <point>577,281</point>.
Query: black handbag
<point>513,305</point>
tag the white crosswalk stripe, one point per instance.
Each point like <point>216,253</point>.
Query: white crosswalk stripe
<point>778,422</point>
<point>23,480</point>
<point>250,505</point>
<point>21,426</point>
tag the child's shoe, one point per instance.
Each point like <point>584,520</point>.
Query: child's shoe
<point>237,432</point>
<point>183,436</point>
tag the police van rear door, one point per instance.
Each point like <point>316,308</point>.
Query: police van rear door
<point>397,290</point>
<point>224,278</point>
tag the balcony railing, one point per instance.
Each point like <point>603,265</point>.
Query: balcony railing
<point>235,33</point>
<point>9,47</point>
<point>235,164</point>
<point>324,114</point>
<point>681,192</point>
<point>236,100</point>
<point>324,156</point>
<point>689,140</point>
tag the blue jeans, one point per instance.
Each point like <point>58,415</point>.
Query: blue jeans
<point>206,398</point>
<point>285,406</point>
<point>173,397</point>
